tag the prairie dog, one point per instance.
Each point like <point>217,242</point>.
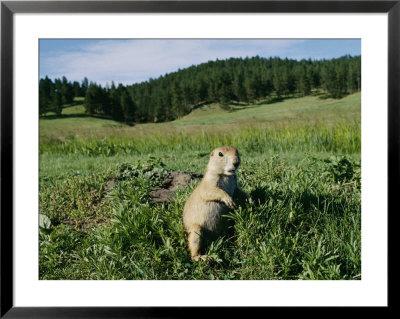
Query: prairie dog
<point>212,198</point>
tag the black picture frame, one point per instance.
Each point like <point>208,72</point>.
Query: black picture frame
<point>9,8</point>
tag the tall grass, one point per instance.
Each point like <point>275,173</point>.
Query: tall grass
<point>337,138</point>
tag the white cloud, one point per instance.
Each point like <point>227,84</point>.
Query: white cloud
<point>130,61</point>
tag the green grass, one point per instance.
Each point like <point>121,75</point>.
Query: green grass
<point>294,109</point>
<point>75,124</point>
<point>300,164</point>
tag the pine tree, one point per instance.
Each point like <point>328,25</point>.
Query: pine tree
<point>46,89</point>
<point>266,85</point>
<point>252,85</point>
<point>57,102</point>
<point>84,86</point>
<point>303,82</point>
<point>67,93</point>
<point>115,109</point>
<point>225,89</point>
<point>278,83</point>
<point>201,90</point>
<point>128,107</point>
<point>289,84</point>
<point>238,87</point>
<point>77,89</point>
<point>95,99</point>
<point>177,100</point>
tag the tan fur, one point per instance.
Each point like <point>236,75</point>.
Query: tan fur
<point>212,198</point>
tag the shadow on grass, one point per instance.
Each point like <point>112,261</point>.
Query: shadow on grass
<point>63,116</point>
<point>260,195</point>
<point>275,99</point>
<point>337,96</point>
<point>272,100</point>
<point>307,200</point>
<point>77,115</point>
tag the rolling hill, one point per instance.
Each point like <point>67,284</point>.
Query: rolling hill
<point>74,123</point>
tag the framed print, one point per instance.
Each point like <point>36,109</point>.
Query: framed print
<point>159,157</point>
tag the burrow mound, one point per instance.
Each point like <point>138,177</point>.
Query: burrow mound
<point>166,191</point>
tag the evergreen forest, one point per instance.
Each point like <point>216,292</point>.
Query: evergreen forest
<point>227,82</point>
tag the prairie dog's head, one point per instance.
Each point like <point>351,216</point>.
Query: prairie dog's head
<point>224,160</point>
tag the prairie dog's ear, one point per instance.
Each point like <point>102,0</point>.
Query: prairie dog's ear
<point>212,153</point>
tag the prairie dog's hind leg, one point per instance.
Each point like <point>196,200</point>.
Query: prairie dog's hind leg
<point>196,243</point>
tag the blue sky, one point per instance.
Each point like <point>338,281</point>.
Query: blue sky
<point>132,61</point>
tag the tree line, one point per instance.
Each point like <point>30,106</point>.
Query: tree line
<point>244,80</point>
<point>53,95</point>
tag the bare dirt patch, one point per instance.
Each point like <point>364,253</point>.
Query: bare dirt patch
<point>165,193</point>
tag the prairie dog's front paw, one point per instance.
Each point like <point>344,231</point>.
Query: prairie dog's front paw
<point>229,202</point>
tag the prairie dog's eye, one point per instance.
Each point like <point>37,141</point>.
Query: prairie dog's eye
<point>220,154</point>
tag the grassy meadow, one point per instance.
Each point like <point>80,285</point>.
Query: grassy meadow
<point>300,164</point>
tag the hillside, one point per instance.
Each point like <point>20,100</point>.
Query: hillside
<point>75,123</point>
<point>296,109</point>
<point>231,81</point>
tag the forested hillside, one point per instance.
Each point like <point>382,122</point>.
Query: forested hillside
<point>235,80</point>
